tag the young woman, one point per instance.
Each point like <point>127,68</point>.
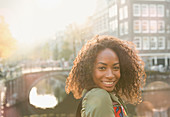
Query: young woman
<point>106,71</point>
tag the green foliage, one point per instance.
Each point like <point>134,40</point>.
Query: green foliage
<point>56,52</point>
<point>66,52</point>
<point>72,41</point>
<point>73,36</point>
<point>46,51</point>
<point>7,42</point>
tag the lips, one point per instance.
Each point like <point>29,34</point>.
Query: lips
<point>108,83</point>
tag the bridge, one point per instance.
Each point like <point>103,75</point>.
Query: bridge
<point>19,88</point>
<point>50,81</point>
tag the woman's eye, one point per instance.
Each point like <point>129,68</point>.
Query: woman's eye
<point>101,68</point>
<point>116,68</point>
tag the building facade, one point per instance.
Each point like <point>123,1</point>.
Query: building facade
<point>144,22</point>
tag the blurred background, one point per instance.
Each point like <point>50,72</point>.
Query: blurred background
<point>39,40</point>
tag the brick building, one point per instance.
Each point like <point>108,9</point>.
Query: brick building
<point>145,22</point>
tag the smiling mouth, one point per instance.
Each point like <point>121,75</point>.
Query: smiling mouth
<point>108,83</point>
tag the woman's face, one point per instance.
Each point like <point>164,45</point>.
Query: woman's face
<point>106,72</point>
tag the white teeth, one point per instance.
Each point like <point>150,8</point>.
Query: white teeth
<point>108,83</point>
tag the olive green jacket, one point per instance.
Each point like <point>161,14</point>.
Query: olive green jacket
<point>98,103</point>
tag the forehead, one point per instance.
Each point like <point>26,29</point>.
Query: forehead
<point>107,55</point>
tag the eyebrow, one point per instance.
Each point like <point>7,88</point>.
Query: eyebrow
<point>106,64</point>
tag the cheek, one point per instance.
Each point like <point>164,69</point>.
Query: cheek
<point>96,75</point>
<point>118,75</point>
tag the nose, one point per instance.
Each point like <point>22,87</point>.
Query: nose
<point>109,74</point>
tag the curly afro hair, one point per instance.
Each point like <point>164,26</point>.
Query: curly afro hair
<point>131,68</point>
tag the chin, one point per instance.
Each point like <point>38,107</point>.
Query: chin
<point>109,89</point>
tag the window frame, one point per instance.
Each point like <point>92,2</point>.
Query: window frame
<point>168,44</point>
<point>125,8</point>
<point>153,23</point>
<point>121,29</point>
<point>154,14</point>
<point>126,28</point>
<point>139,41</point>
<point>163,24</point>
<point>163,43</point>
<point>160,12</point>
<point>121,14</point>
<point>139,25</point>
<point>138,10</point>
<point>111,9</point>
<point>155,42</point>
<point>146,45</point>
<point>147,10</point>
<point>123,1</point>
<point>147,26</point>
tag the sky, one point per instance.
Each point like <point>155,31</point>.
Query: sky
<point>34,20</point>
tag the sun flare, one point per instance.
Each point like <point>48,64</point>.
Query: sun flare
<point>33,21</point>
<point>42,101</point>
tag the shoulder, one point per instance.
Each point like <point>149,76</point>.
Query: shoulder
<point>97,103</point>
<point>96,98</point>
<point>97,95</point>
<point>97,92</point>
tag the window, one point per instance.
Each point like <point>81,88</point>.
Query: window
<point>161,42</point>
<point>153,43</point>
<point>161,61</point>
<point>116,24</point>
<point>121,29</point>
<point>97,24</point>
<point>123,1</point>
<point>121,13</point>
<point>152,10</point>
<point>113,25</point>
<point>105,20</point>
<point>115,10</point>
<point>153,26</point>
<point>116,27</point>
<point>145,26</point>
<point>126,27</point>
<point>167,12</point>
<point>161,26</point>
<point>100,24</point>
<point>136,10</point>
<point>111,11</point>
<point>168,44</point>
<point>137,42</point>
<point>137,26</point>
<point>168,28</point>
<point>160,10</point>
<point>146,43</point>
<point>103,23</point>
<point>145,10</point>
<point>114,1</point>
<point>125,12</point>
